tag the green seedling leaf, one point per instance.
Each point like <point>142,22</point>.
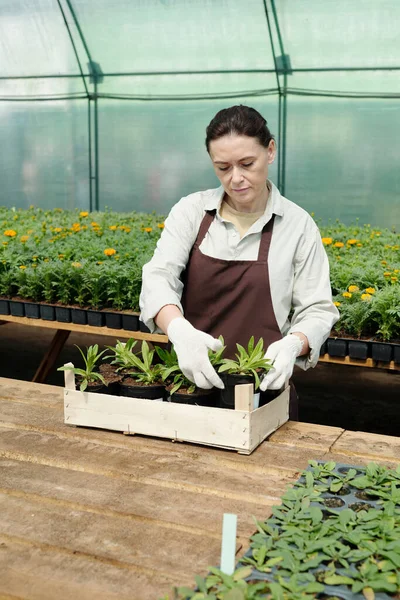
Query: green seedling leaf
<point>201,584</point>
<point>235,594</point>
<point>242,573</point>
<point>345,516</point>
<point>336,486</point>
<point>338,580</point>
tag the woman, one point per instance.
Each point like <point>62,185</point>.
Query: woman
<point>240,260</point>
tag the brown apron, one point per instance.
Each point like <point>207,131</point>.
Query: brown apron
<point>232,297</point>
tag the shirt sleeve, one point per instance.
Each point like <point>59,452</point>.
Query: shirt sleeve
<point>314,312</point>
<point>161,283</point>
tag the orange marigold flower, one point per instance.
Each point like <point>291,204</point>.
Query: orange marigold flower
<point>393,278</point>
<point>57,229</point>
<point>148,229</point>
<point>383,262</point>
<point>337,303</point>
<point>347,295</point>
<point>94,224</point>
<point>351,242</point>
<point>24,238</point>
<point>161,225</point>
<point>366,297</point>
<point>127,229</point>
<point>354,288</point>
<point>327,241</point>
<point>396,271</point>
<point>359,245</point>
<point>22,267</point>
<point>110,251</point>
<point>10,233</point>
<point>370,290</point>
<point>387,274</point>
<point>338,245</point>
<point>83,213</point>
<point>113,227</point>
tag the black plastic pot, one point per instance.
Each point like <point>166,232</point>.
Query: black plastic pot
<point>130,322</point>
<point>112,389</point>
<point>396,353</point>
<point>95,318</point>
<point>382,351</point>
<point>227,395</point>
<point>63,314</point>
<point>149,392</point>
<point>32,310</point>
<point>324,349</point>
<point>337,347</point>
<point>143,327</point>
<point>358,349</point>
<point>99,388</point>
<point>204,398</point>
<point>4,307</point>
<point>17,308</point>
<point>78,316</point>
<point>47,312</point>
<point>267,396</point>
<point>113,320</point>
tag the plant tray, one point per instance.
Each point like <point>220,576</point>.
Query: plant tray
<point>242,429</point>
<point>349,497</point>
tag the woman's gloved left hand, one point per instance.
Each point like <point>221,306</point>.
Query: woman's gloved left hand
<point>283,354</point>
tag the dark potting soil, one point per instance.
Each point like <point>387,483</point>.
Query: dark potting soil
<point>109,373</point>
<point>133,382</point>
<point>333,502</point>
<point>358,506</point>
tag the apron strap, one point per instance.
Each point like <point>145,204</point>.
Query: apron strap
<point>266,240</point>
<point>204,227</point>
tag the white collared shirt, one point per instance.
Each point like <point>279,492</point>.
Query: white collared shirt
<point>297,262</point>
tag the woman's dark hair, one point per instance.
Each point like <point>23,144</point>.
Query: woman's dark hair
<point>242,120</point>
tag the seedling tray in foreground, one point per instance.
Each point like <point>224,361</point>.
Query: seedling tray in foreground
<point>242,430</point>
<point>307,550</point>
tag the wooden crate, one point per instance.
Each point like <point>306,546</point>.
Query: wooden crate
<point>242,429</point>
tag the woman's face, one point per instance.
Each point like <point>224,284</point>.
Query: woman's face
<point>241,165</point>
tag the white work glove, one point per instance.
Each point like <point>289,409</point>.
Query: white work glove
<point>191,346</point>
<point>283,354</point>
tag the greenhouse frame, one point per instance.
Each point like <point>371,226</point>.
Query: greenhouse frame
<point>106,103</point>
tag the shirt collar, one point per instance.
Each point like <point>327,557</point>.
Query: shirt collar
<point>274,204</point>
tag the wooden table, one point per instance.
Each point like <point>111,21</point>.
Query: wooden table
<point>89,514</point>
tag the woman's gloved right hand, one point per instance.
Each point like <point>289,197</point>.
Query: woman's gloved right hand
<point>191,346</point>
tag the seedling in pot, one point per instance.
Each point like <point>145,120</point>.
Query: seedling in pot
<point>122,354</point>
<point>145,371</point>
<point>88,375</point>
<point>248,361</point>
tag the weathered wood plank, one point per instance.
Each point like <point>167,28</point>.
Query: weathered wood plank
<point>145,546</point>
<point>168,471</point>
<point>306,435</point>
<point>172,509</point>
<point>40,572</point>
<point>369,445</point>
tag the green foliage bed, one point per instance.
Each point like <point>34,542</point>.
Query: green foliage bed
<point>96,260</point>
